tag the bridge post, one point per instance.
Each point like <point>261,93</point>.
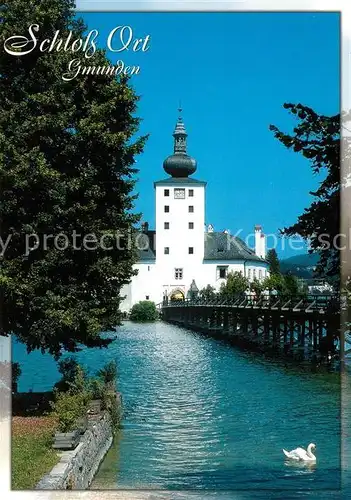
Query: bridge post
<point>303,336</point>
<point>285,339</point>
<point>225,320</point>
<point>254,325</point>
<point>218,318</point>
<point>266,322</point>
<point>244,325</point>
<point>292,335</point>
<point>234,322</point>
<point>317,333</point>
<point>275,325</point>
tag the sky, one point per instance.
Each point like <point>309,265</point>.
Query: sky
<point>232,72</point>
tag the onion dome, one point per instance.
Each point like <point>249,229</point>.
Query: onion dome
<point>180,164</point>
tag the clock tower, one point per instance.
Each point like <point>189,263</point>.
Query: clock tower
<point>180,219</point>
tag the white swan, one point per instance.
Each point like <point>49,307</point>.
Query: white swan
<point>301,454</point>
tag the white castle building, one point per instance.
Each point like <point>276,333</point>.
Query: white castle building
<point>183,254</point>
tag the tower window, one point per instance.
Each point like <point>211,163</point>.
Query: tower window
<point>178,273</point>
<point>191,250</point>
<point>166,192</point>
<point>147,297</point>
<point>222,272</point>
<point>191,209</point>
<point>191,192</point>
<point>166,226</point>
<point>191,225</point>
<point>166,251</point>
<point>167,208</point>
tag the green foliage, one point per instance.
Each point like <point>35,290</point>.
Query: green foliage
<point>76,389</point>
<point>257,287</point>
<point>272,258</point>
<point>111,404</point>
<point>275,282</point>
<point>68,408</point>
<point>105,391</point>
<point>144,311</point>
<point>291,284</point>
<point>317,138</point>
<point>235,284</point>
<point>71,373</point>
<point>96,388</point>
<point>79,384</point>
<point>108,373</point>
<point>208,293</point>
<point>67,166</point>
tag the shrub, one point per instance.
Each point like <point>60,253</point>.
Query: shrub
<point>208,293</point>
<point>102,391</point>
<point>96,388</point>
<point>71,401</point>
<point>75,390</point>
<point>236,284</point>
<point>108,373</point>
<point>144,311</point>
<point>257,287</point>
<point>68,408</point>
<point>68,368</point>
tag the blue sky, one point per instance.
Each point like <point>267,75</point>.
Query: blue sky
<point>233,72</point>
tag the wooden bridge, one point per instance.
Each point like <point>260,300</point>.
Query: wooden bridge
<point>299,327</point>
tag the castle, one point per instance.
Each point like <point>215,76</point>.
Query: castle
<point>183,255</point>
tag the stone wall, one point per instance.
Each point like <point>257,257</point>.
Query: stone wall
<point>76,468</point>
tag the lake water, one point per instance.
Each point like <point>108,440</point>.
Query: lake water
<point>201,415</point>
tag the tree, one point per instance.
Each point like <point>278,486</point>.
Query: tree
<point>272,258</point>
<point>144,311</point>
<point>70,371</point>
<point>291,284</point>
<point>208,293</point>
<point>67,170</point>
<point>235,284</point>
<point>108,373</point>
<point>257,287</point>
<point>274,282</point>
<point>317,138</point>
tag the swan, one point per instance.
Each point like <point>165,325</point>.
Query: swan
<point>301,454</point>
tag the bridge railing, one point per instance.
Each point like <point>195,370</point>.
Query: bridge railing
<point>330,302</point>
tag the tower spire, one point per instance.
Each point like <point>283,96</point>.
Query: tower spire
<point>180,134</point>
<point>179,164</point>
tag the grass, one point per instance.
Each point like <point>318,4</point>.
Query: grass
<point>32,455</point>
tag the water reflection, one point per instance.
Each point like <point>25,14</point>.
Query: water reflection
<point>300,466</point>
<point>202,415</point>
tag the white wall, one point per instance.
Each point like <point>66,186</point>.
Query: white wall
<point>151,282</point>
<point>209,274</point>
<point>144,284</point>
<point>178,238</point>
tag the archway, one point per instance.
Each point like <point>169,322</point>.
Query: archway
<point>177,295</point>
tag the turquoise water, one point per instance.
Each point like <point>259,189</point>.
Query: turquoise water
<point>201,415</point>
